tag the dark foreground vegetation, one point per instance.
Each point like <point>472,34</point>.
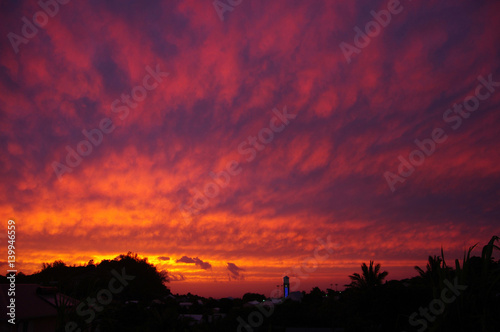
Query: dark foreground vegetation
<point>464,296</point>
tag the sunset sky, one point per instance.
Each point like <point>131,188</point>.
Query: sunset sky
<point>228,139</point>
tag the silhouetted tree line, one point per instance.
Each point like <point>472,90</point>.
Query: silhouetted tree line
<point>462,297</point>
<point>471,300</point>
<point>80,281</point>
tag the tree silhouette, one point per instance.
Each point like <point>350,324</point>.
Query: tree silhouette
<point>371,277</point>
<point>470,303</point>
<point>435,264</point>
<point>253,297</point>
<point>435,272</point>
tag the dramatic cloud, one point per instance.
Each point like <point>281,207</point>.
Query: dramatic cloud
<point>235,271</point>
<point>155,127</point>
<point>198,262</point>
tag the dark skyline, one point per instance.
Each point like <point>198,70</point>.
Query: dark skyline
<point>223,149</point>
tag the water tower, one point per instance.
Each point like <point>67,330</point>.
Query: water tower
<point>286,286</point>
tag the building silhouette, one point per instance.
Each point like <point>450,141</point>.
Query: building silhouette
<point>286,286</point>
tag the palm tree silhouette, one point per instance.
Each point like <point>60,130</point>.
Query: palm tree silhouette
<point>435,272</point>
<point>433,266</point>
<point>371,277</point>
